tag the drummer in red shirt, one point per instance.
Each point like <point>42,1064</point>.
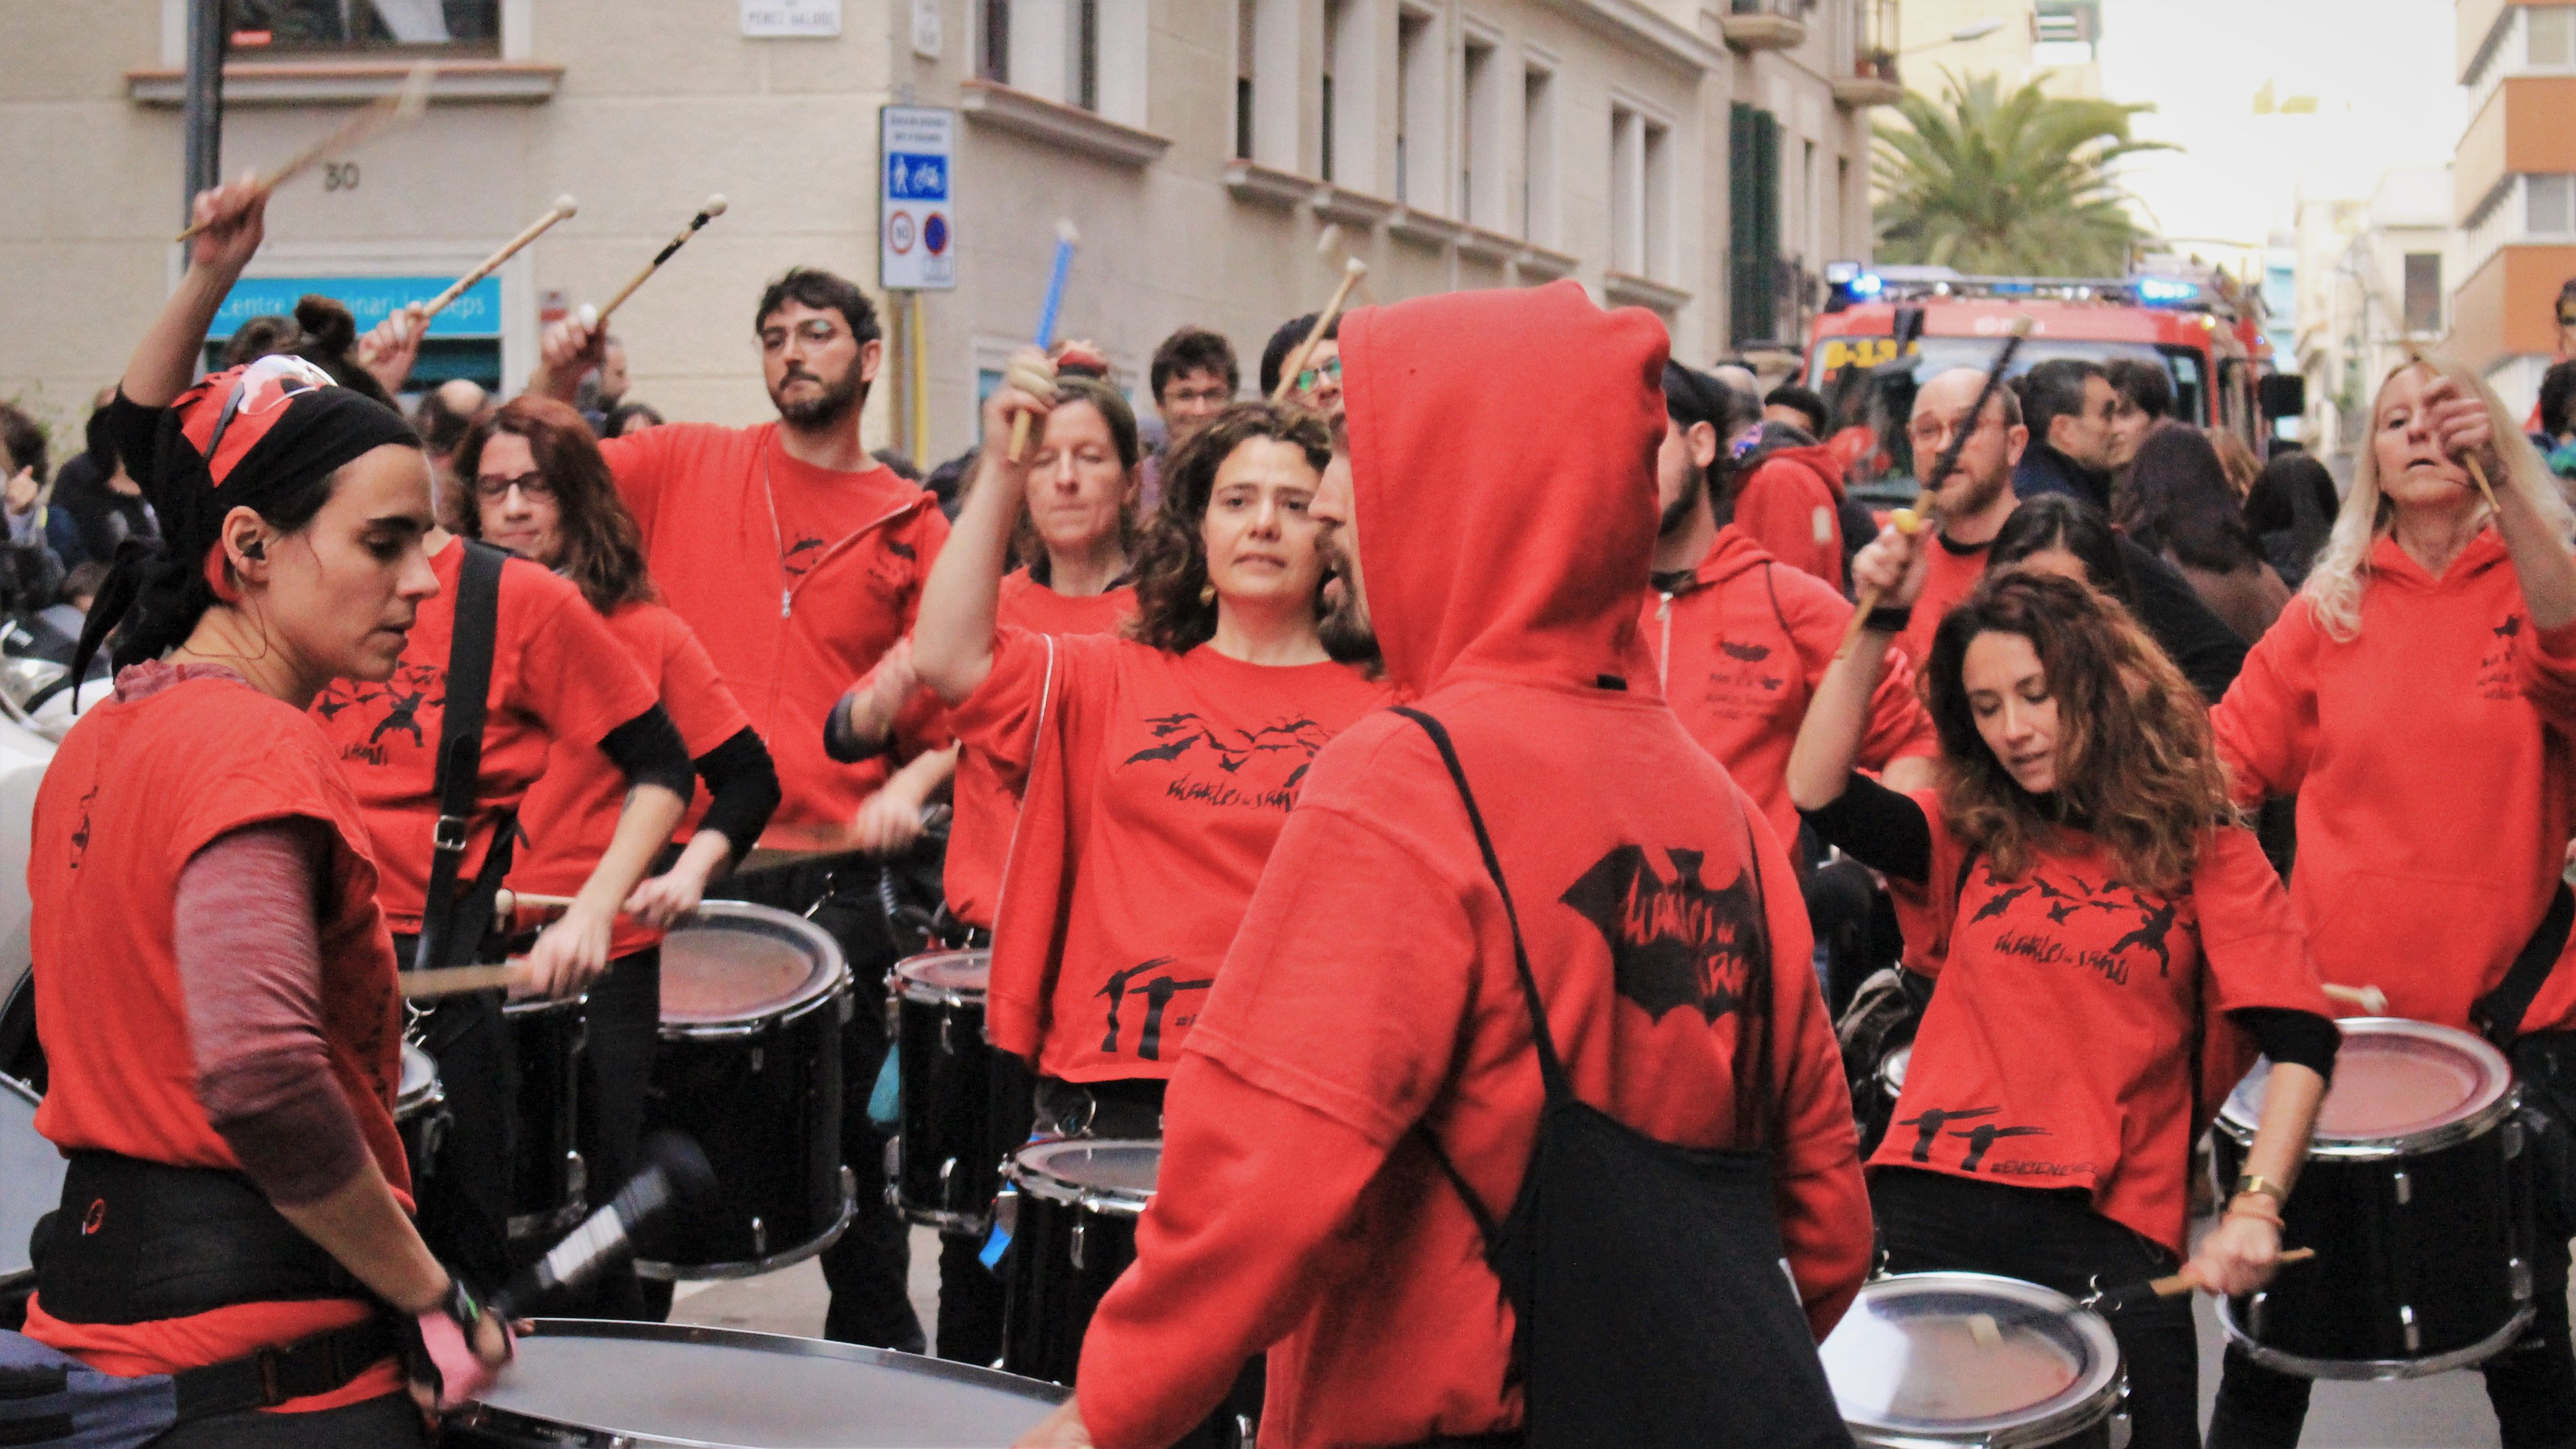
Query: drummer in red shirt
<point>225,1093</point>
<point>1370,1008</point>
<point>1155,767</point>
<point>799,560</point>
<point>541,490</point>
<point>2105,953</point>
<point>1078,536</point>
<point>2418,697</point>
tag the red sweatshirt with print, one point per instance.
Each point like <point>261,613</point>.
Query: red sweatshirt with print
<point>796,578</point>
<point>1739,650</point>
<point>2430,755</point>
<point>1371,989</point>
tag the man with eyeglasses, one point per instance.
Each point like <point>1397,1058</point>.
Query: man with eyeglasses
<point>798,559</point>
<point>1972,500</point>
<point>1194,377</point>
<point>1319,382</point>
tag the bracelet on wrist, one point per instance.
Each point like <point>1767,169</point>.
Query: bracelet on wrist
<point>2259,1206</point>
<point>1888,619</point>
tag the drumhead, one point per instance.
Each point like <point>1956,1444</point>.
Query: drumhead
<point>2397,1086</point>
<point>740,962</point>
<point>1972,1359</point>
<point>945,976</point>
<point>31,1177</point>
<point>674,1384</point>
<point>1102,1172</point>
<point>419,1082</point>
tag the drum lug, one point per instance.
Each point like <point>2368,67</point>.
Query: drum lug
<point>1077,1241</point>
<point>759,1237</point>
<point>2512,1138</point>
<point>2414,1334</point>
<point>2404,1184</point>
<point>893,1165</point>
<point>947,1036</point>
<point>2518,1272</point>
<point>2257,1311</point>
<point>576,1175</point>
<point>759,1057</point>
<point>849,1006</point>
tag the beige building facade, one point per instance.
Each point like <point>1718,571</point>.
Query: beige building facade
<point>1702,158</point>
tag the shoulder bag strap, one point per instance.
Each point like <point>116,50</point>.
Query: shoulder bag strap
<point>460,742</point>
<point>2499,1013</point>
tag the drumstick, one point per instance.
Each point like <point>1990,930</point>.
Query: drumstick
<point>1930,493</point>
<point>2369,998</point>
<point>1066,239</point>
<point>2477,471</point>
<point>676,1180</point>
<point>1352,271</point>
<point>2174,1285</point>
<point>595,318</point>
<point>455,980</point>
<point>563,208</point>
<point>402,105</point>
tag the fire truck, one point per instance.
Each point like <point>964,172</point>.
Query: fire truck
<point>1889,330</point>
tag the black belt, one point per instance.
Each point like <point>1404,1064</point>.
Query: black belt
<point>263,1380</point>
<point>134,1241</point>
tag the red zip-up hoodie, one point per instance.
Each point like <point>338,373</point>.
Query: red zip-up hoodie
<point>1739,650</point>
<point>1371,990</point>
<point>1789,506</point>
<point>2431,757</point>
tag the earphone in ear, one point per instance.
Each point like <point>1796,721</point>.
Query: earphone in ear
<point>255,549</point>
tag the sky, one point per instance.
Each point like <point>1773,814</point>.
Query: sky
<point>2382,73</point>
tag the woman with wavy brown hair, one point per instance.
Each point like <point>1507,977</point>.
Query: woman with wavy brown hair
<point>2111,937</point>
<point>1155,769</point>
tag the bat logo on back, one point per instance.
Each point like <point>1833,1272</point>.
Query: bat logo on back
<point>1672,942</point>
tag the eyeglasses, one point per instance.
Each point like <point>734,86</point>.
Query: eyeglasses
<point>1331,367</point>
<point>531,486</point>
<point>1932,432</point>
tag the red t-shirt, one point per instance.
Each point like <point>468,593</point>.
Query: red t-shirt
<point>2431,757</point>
<point>979,834</point>
<point>571,811</point>
<point>2054,1054</point>
<point>796,578</point>
<point>557,674</point>
<point>1165,780</point>
<point>1741,649</point>
<point>1952,573</point>
<point>138,787</point>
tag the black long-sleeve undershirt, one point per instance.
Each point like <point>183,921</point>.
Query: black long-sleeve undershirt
<point>742,788</point>
<point>1889,833</point>
<point>647,751</point>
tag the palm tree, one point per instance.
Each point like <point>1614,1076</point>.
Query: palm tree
<point>2007,185</point>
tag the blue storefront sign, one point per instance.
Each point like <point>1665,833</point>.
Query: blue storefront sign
<point>371,300</point>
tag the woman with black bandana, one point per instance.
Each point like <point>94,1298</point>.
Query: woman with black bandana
<point>226,1098</point>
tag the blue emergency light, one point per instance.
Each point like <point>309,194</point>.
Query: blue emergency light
<point>2166,292</point>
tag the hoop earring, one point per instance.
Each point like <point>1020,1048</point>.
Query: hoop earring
<point>1207,593</point>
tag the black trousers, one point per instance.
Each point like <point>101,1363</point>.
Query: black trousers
<point>391,1419</point>
<point>2531,1385</point>
<point>970,1302</point>
<point>1931,1222</point>
<point>869,1268</point>
<point>465,1200</point>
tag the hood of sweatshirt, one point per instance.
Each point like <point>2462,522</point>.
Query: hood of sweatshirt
<point>1731,553</point>
<point>1816,458</point>
<point>1503,465</point>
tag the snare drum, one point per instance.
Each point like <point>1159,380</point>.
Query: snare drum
<point>2417,1197</point>
<point>549,1182</point>
<point>753,1000</point>
<point>948,1164</point>
<point>1075,1232</point>
<point>1926,1359</point>
<point>420,1111</point>
<point>31,1184</point>
<point>579,1383</point>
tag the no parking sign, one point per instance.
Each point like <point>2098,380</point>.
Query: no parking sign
<point>916,197</point>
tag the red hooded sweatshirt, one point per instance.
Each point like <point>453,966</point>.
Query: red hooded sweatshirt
<point>1740,649</point>
<point>1371,988</point>
<point>1789,507</point>
<point>2430,755</point>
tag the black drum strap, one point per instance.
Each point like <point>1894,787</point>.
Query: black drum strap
<point>2498,1014</point>
<point>460,745</point>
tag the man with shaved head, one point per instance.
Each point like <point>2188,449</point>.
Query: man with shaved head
<point>1974,497</point>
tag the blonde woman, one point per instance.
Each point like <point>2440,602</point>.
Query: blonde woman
<point>2418,696</point>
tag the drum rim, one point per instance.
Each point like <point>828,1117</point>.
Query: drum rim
<point>910,988</point>
<point>1035,1179</point>
<point>771,921</point>
<point>669,1272</point>
<point>1037,1391</point>
<point>2092,1398</point>
<point>2371,1369</point>
<point>527,1006</point>
<point>2494,1102</point>
<point>430,1096</point>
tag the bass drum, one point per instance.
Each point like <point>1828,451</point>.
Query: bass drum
<point>753,1001</point>
<point>2416,1190</point>
<point>631,1385</point>
<point>31,1183</point>
<point>1927,1359</point>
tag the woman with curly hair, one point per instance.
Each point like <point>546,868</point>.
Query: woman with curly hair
<point>1155,768</point>
<point>2419,698</point>
<point>2111,936</point>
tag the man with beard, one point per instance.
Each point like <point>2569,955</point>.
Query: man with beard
<point>1971,501</point>
<point>2069,404</point>
<point>798,559</point>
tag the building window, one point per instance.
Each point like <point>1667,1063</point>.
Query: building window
<point>1753,224</point>
<point>1337,14</point>
<point>2423,292</point>
<point>2549,205</point>
<point>1417,112</point>
<point>1247,29</point>
<point>1655,193</point>
<point>2551,34</point>
<point>466,27</point>
<point>1082,55</point>
<point>993,41</point>
<point>1480,193</point>
<point>1538,154</point>
<point>1078,53</point>
<point>2063,32</point>
<point>1627,190</point>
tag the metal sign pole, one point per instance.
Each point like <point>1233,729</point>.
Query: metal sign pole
<point>204,117</point>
